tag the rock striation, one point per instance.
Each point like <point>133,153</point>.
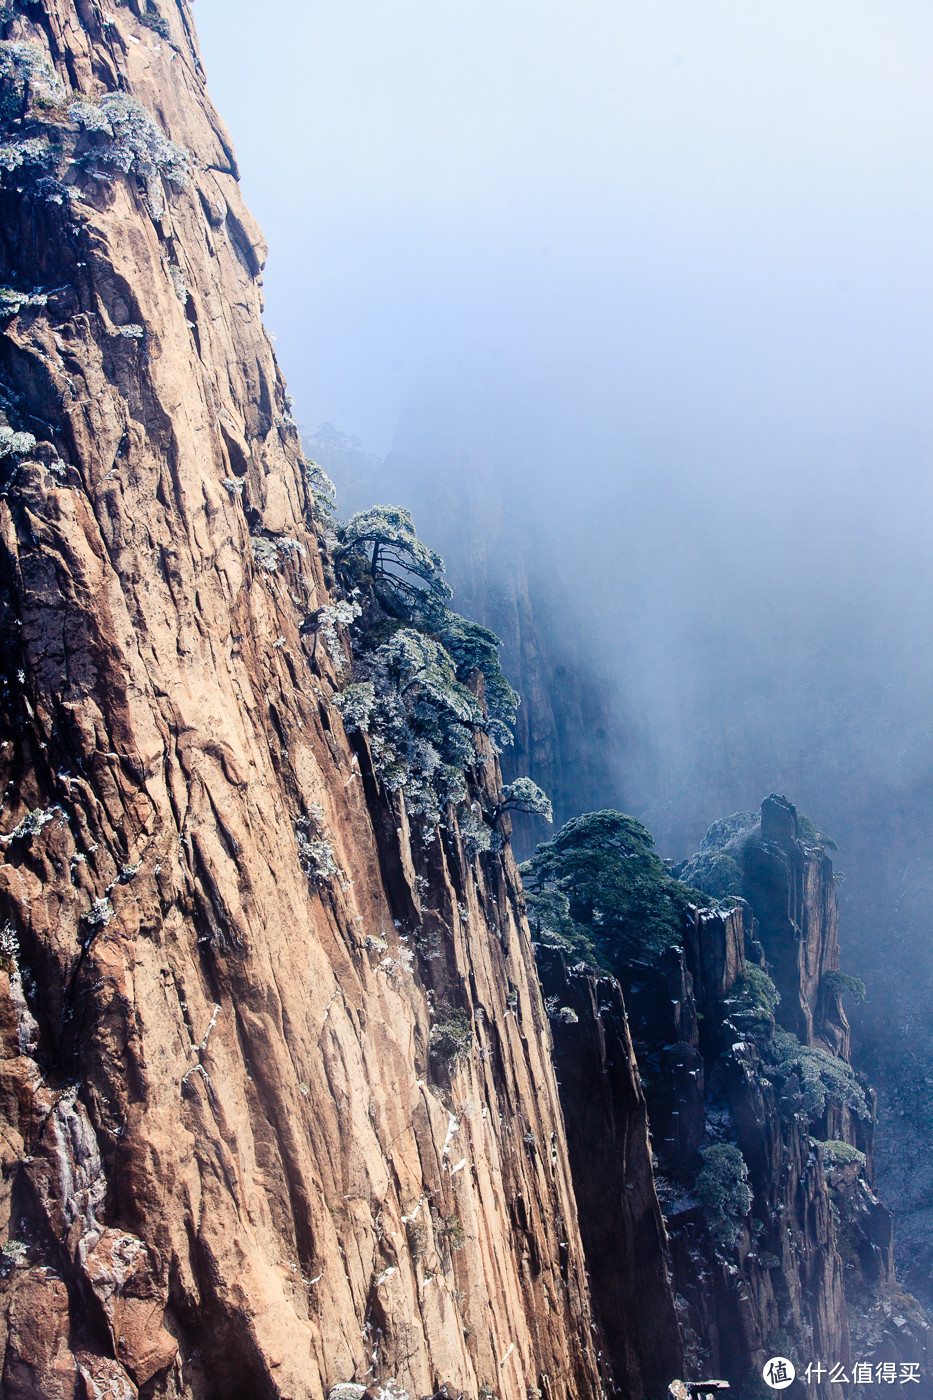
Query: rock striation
<point>232,1164</point>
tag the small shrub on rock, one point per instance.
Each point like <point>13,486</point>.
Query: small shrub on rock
<point>722,1186</point>
<point>451,1036</point>
<point>815,1078</point>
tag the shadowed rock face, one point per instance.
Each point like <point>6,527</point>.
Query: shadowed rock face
<point>791,888</point>
<point>231,1165</point>
<point>807,1265</point>
<point>610,1157</point>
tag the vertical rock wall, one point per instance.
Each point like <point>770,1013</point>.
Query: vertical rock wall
<point>231,1165</point>
<point>610,1157</point>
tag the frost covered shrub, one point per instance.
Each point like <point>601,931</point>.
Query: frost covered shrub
<point>328,619</point>
<point>178,282</point>
<point>841,1154</point>
<point>123,136</point>
<point>315,852</point>
<point>722,1186</point>
<point>323,492</point>
<point>716,873</point>
<point>26,79</point>
<point>475,832</point>
<point>405,574</point>
<point>556,1012</point>
<point>134,142</point>
<point>99,914</point>
<point>34,822</point>
<point>9,948</point>
<point>380,549</point>
<point>154,21</point>
<point>812,836</point>
<point>599,890</point>
<point>265,552</point>
<point>317,857</point>
<point>415,690</point>
<point>268,550</point>
<point>416,1233</point>
<point>524,796</point>
<point>356,705</point>
<point>550,919</point>
<point>12,1255</point>
<point>475,648</point>
<point>715,868</point>
<point>451,1036</point>
<point>32,152</point>
<point>754,996</point>
<point>420,720</point>
<point>450,1232</point>
<point>12,301</point>
<point>820,1080</point>
<point>13,444</point>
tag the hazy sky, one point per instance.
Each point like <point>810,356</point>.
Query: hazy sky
<point>674,218</point>
<point>665,266</point>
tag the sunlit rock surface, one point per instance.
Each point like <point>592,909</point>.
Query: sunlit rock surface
<point>231,1166</point>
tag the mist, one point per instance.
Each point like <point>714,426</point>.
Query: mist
<point>636,299</point>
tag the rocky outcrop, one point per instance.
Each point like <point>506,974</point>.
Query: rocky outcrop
<point>813,1261</point>
<point>789,884</point>
<point>234,1162</point>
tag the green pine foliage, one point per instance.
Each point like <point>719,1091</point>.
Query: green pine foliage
<point>812,836</point>
<point>717,873</point>
<point>722,1186</point>
<point>380,547</point>
<point>525,796</point>
<point>419,718</point>
<point>599,891</point>
<point>836,1153</point>
<point>754,998</point>
<point>451,1037</point>
<point>426,682</point>
<point>843,984</point>
<point>323,492</point>
<point>814,1079</point>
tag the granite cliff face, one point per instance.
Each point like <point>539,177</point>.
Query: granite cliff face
<point>232,1164</point>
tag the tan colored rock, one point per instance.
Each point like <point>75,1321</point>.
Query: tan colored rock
<point>229,1115</point>
<point>37,1359</point>
<point>124,1278</point>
